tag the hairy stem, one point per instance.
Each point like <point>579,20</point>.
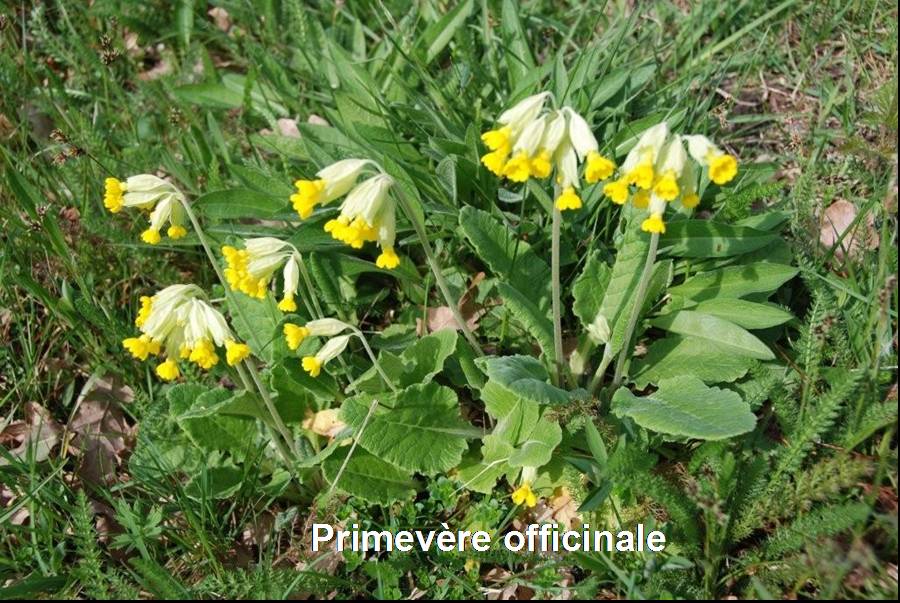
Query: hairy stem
<point>639,295</point>
<point>598,374</point>
<point>374,359</point>
<point>254,374</point>
<point>556,294</point>
<point>436,270</point>
<point>283,450</point>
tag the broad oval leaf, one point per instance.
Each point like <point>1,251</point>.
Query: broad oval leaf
<point>747,314</point>
<point>708,239</point>
<point>239,203</point>
<point>735,281</point>
<point>729,336</point>
<point>524,376</point>
<point>686,407</point>
<point>368,477</point>
<point>418,429</point>
<point>675,355</point>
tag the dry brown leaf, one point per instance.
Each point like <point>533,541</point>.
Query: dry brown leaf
<point>325,423</point>
<point>442,317</point>
<point>837,219</point>
<point>102,434</point>
<point>220,18</point>
<point>163,67</point>
<point>288,127</point>
<point>39,433</point>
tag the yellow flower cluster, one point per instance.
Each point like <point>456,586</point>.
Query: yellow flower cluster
<point>368,213</point>
<point>658,171</point>
<point>531,142</point>
<point>147,192</point>
<point>294,335</point>
<point>250,270</point>
<point>178,322</point>
<point>524,496</point>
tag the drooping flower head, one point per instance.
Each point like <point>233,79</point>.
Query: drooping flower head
<point>159,197</point>
<point>658,171</point>
<point>323,327</point>
<point>328,352</point>
<point>250,270</point>
<point>332,182</point>
<point>532,141</point>
<point>294,335</point>
<point>179,322</point>
<point>369,214</point>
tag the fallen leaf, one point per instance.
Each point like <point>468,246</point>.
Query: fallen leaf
<point>220,18</point>
<point>288,127</point>
<point>325,423</point>
<point>442,317</point>
<point>38,434</point>
<point>102,434</point>
<point>162,67</point>
<point>837,220</point>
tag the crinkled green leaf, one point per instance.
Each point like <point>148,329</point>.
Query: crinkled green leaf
<point>735,281</point>
<point>747,314</point>
<point>418,429</point>
<point>530,317</point>
<point>675,355</point>
<point>686,407</point>
<point>368,477</point>
<point>732,338</point>
<point>524,376</point>
<point>708,239</point>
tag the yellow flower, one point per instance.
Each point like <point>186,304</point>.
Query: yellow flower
<point>312,365</point>
<point>287,303</point>
<point>294,335</point>
<point>518,169</point>
<point>540,164</point>
<point>722,169</point>
<point>185,325</point>
<point>203,354</point>
<point>597,168</point>
<point>642,175</point>
<point>176,231</point>
<point>141,347</point>
<point>332,181</point>
<point>524,495</point>
<point>568,199</point>
<point>497,139</point>
<point>495,161</point>
<point>654,224</point>
<point>309,194</point>
<point>690,200</point>
<point>388,259</point>
<point>617,191</point>
<point>332,348</point>
<point>667,186</point>
<point>235,352</point>
<point>168,370</point>
<point>151,236</point>
<point>144,312</point>
<point>368,214</point>
<point>250,270</point>
<point>146,191</point>
<point>641,199</point>
<point>112,198</point>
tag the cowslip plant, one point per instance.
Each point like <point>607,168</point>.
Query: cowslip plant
<point>402,419</point>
